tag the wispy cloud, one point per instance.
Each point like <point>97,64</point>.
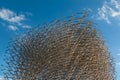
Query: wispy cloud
<point>118,63</point>
<point>109,10</point>
<point>11,16</point>
<point>118,54</point>
<point>13,27</point>
<point>13,19</point>
<point>1,78</point>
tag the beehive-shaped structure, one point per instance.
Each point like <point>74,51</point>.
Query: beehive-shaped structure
<point>70,49</point>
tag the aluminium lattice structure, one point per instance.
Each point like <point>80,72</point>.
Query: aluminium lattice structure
<point>67,49</point>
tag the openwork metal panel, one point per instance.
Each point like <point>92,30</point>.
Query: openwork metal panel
<point>67,49</point>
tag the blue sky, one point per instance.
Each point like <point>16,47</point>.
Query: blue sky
<point>17,16</point>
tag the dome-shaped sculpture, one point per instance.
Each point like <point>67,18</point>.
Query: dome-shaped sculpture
<point>70,49</point>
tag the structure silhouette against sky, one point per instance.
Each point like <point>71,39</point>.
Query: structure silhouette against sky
<point>66,49</point>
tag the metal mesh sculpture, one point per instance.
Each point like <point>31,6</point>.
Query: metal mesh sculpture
<point>69,49</point>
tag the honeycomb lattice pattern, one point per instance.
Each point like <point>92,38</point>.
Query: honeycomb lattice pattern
<point>69,49</point>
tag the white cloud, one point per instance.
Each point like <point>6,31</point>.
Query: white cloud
<point>118,54</point>
<point>109,10</point>
<point>13,19</point>
<point>1,78</point>
<point>13,27</point>
<point>102,12</point>
<point>118,63</point>
<point>11,16</point>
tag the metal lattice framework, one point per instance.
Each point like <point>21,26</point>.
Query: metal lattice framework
<point>70,49</point>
